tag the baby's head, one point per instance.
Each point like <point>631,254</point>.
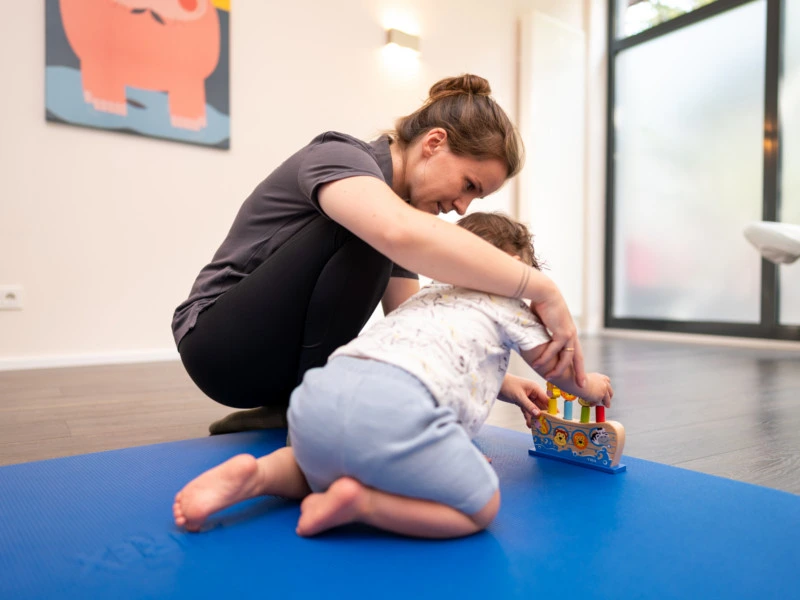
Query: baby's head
<point>508,235</point>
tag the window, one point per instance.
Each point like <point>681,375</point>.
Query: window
<point>635,16</point>
<point>688,118</point>
<point>704,138</point>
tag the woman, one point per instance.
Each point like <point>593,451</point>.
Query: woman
<point>343,224</point>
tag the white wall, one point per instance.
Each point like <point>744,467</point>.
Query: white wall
<point>562,119</point>
<point>552,111</point>
<point>562,190</point>
<point>106,231</point>
<point>596,28</point>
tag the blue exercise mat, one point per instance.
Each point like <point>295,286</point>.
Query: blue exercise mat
<point>100,526</point>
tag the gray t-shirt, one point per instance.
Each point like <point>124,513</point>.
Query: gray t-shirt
<point>281,205</point>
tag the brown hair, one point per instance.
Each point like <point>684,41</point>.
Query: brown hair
<point>476,126</point>
<point>507,234</point>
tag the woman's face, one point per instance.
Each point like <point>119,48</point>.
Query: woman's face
<point>440,181</point>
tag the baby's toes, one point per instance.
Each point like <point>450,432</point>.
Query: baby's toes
<point>177,513</point>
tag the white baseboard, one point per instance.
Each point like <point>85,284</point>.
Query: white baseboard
<point>166,354</point>
<point>713,340</point>
<point>81,360</point>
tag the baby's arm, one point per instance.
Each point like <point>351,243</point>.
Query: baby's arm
<point>597,390</point>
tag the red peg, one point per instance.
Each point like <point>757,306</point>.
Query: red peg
<point>599,414</point>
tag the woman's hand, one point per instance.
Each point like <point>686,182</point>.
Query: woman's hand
<point>526,394</point>
<point>555,315</point>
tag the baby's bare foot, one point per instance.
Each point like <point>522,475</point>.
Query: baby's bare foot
<point>231,482</point>
<point>341,504</point>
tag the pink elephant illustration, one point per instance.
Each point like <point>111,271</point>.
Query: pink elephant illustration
<point>162,45</point>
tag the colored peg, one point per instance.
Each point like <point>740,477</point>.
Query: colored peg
<point>600,414</point>
<point>586,410</point>
<point>568,409</point>
<point>552,393</point>
<point>568,400</point>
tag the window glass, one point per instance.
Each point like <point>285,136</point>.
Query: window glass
<point>688,126</point>
<point>635,16</point>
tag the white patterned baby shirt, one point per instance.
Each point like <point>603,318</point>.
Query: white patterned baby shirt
<point>456,341</point>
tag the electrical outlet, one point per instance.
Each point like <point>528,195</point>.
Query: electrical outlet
<point>10,297</point>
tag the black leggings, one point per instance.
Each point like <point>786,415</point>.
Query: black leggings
<point>252,347</point>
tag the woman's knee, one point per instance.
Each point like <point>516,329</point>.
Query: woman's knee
<point>484,517</point>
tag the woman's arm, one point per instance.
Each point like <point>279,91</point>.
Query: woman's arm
<point>425,244</point>
<point>398,291</point>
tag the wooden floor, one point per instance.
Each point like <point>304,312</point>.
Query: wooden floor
<point>726,411</point>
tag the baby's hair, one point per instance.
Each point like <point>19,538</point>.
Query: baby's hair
<point>476,126</point>
<point>503,232</point>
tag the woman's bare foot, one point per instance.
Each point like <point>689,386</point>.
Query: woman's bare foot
<point>342,503</point>
<point>231,482</point>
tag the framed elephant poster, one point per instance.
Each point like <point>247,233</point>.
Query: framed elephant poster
<point>157,68</point>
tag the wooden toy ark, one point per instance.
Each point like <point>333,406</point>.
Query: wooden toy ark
<point>596,445</point>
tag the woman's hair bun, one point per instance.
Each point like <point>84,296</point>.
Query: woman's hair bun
<point>464,84</point>
<point>475,125</point>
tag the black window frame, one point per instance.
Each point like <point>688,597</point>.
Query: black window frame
<point>769,327</point>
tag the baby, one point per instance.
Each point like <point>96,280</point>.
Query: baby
<point>382,434</point>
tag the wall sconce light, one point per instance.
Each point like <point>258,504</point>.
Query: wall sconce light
<point>402,39</point>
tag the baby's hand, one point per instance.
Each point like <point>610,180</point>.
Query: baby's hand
<point>598,389</point>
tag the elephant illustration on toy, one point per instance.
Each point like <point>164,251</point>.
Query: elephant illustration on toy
<point>170,46</point>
